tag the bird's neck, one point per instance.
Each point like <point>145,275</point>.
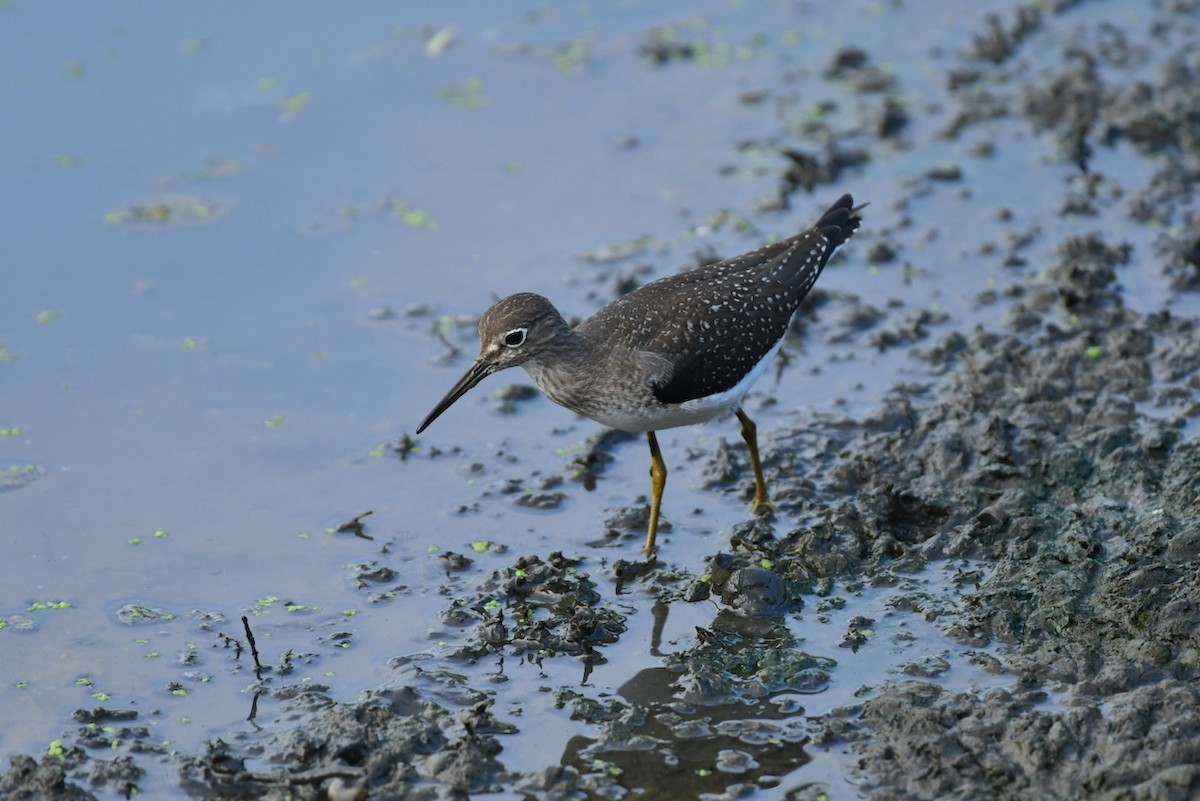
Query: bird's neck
<point>565,373</point>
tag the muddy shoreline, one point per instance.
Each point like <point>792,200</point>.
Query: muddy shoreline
<point>1053,461</point>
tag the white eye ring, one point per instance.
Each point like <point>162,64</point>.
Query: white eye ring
<point>515,338</point>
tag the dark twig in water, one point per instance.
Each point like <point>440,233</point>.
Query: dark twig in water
<point>253,648</point>
<point>355,526</point>
<point>237,646</point>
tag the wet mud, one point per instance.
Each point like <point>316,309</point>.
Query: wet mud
<point>1050,461</point>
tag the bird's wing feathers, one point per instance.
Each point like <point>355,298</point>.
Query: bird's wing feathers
<point>732,312</point>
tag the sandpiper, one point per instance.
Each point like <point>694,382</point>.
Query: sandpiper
<point>679,350</point>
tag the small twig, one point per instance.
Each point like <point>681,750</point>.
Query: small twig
<point>237,646</point>
<point>253,648</point>
<point>355,526</point>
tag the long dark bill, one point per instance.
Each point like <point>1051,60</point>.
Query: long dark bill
<point>477,372</point>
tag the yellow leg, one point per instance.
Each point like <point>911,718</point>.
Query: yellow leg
<point>761,503</point>
<point>658,480</point>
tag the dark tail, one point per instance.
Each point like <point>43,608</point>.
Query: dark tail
<point>840,221</point>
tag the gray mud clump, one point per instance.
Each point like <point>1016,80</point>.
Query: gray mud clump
<point>392,738</point>
<point>1033,456</point>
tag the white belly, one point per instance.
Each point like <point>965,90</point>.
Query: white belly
<point>690,412</point>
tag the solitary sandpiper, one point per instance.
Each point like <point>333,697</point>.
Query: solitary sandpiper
<point>679,350</point>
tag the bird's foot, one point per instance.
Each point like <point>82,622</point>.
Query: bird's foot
<point>761,505</point>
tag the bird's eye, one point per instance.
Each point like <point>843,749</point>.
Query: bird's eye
<point>515,338</point>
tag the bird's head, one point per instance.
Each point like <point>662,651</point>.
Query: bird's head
<point>514,331</point>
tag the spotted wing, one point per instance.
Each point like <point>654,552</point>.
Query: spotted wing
<point>712,325</point>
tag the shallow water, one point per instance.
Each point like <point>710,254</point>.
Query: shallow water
<point>238,236</point>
